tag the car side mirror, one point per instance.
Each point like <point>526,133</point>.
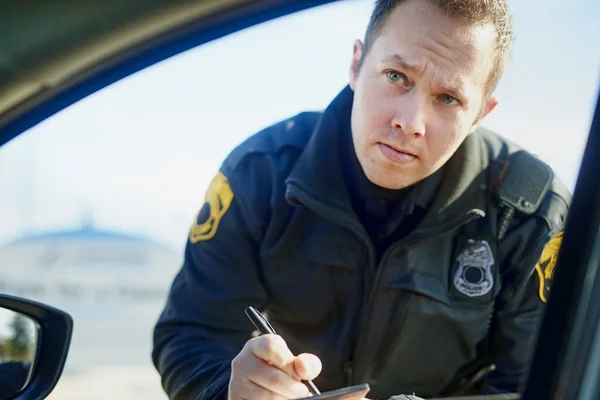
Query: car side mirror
<point>34,342</point>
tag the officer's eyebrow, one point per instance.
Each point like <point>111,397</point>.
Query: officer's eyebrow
<point>399,61</point>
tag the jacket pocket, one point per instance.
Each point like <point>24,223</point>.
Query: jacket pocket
<point>430,337</point>
<point>331,252</point>
<point>421,283</point>
<point>320,276</point>
<point>315,302</point>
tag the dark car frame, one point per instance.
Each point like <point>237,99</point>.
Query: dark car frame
<point>566,361</point>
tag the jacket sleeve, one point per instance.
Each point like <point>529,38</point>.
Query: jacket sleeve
<point>519,309</point>
<point>203,325</point>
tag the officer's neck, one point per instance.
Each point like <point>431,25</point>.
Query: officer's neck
<point>368,199</point>
<point>367,190</point>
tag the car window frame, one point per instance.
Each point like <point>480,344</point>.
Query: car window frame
<point>561,365</point>
<point>576,270</point>
<point>205,29</point>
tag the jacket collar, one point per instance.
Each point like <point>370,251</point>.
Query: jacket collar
<point>317,175</point>
<point>317,179</point>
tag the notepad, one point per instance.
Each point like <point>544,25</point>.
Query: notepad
<point>356,392</point>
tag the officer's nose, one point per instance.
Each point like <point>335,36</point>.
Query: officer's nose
<point>410,115</point>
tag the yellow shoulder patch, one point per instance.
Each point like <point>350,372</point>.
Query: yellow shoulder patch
<point>546,265</point>
<point>217,200</point>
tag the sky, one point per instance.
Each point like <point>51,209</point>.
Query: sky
<point>137,156</point>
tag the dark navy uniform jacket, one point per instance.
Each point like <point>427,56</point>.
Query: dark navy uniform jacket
<point>407,307</point>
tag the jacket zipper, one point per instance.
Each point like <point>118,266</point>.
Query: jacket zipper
<point>445,228</point>
<point>383,351</point>
<point>337,217</point>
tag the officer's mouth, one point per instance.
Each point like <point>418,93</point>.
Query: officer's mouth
<point>396,155</point>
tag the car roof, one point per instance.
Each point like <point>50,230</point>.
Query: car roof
<point>48,44</point>
<point>55,53</point>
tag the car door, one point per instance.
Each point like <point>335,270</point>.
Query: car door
<point>567,356</point>
<point>113,156</point>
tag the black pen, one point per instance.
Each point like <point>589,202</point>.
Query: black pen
<point>264,328</point>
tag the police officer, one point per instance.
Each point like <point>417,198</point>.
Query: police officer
<point>368,233</point>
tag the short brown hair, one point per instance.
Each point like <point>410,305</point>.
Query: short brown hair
<point>471,11</point>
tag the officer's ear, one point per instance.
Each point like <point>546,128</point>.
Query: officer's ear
<point>491,103</point>
<point>357,56</point>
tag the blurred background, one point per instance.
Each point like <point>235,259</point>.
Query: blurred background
<point>97,200</point>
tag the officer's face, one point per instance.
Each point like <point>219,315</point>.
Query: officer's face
<point>418,93</point>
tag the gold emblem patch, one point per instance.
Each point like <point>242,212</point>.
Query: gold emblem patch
<point>545,267</point>
<point>218,198</point>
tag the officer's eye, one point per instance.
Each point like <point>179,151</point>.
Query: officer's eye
<point>396,77</point>
<point>449,100</point>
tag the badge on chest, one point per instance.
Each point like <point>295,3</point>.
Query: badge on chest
<point>474,270</point>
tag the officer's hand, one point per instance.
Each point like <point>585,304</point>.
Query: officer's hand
<point>267,369</point>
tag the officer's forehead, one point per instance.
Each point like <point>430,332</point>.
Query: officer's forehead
<point>424,36</point>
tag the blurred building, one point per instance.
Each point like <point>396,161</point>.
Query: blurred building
<point>113,285</point>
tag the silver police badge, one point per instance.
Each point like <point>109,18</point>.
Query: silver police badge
<point>473,277</point>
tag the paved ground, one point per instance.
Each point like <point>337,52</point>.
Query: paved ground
<point>122,382</point>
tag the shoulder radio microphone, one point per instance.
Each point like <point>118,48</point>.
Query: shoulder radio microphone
<point>522,185</point>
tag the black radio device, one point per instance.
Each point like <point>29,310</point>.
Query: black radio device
<point>521,186</point>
